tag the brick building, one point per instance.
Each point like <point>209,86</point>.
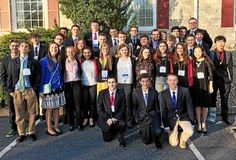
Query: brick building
<point>217,16</point>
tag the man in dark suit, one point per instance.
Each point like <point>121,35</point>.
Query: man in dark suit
<point>59,39</point>
<point>37,50</point>
<point>175,31</point>
<point>155,38</point>
<point>111,109</point>
<point>190,42</point>
<point>70,41</point>
<point>23,80</point>
<point>91,38</point>
<point>133,38</point>
<point>64,31</point>
<point>177,111</point>
<point>144,41</point>
<point>4,71</point>
<point>147,111</point>
<point>199,36</point>
<point>193,25</point>
<point>222,77</point>
<point>113,38</point>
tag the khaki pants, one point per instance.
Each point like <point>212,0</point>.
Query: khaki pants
<point>25,105</point>
<point>187,132</point>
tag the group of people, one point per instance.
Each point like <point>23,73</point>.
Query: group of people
<point>118,82</point>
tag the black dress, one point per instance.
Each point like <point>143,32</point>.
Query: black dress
<point>201,77</point>
<point>183,78</point>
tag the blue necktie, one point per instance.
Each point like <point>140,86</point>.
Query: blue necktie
<point>146,99</point>
<point>173,99</point>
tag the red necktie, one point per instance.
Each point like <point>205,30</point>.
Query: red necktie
<point>95,36</point>
<point>112,99</point>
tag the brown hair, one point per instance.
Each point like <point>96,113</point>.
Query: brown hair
<point>122,46</point>
<point>58,56</point>
<point>140,56</point>
<point>157,55</point>
<point>185,54</point>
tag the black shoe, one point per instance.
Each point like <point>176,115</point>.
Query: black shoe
<point>20,139</point>
<point>91,125</point>
<point>226,121</point>
<point>122,144</point>
<point>71,128</point>
<point>33,137</point>
<point>80,127</point>
<point>42,118</point>
<point>58,131</point>
<point>158,144</point>
<point>51,134</point>
<point>199,130</point>
<point>204,130</point>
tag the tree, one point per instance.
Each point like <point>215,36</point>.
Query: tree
<point>108,12</point>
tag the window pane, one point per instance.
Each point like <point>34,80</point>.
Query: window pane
<point>29,13</point>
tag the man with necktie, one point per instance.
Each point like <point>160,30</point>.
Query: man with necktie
<point>111,109</point>
<point>147,111</point>
<point>23,80</point>
<point>177,111</point>
<point>37,50</point>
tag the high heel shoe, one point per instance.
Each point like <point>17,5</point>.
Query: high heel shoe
<point>199,129</point>
<point>51,134</point>
<point>204,130</point>
<point>85,122</point>
<point>91,123</point>
<point>58,131</point>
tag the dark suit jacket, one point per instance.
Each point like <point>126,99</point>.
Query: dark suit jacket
<point>43,51</point>
<point>4,71</point>
<point>140,109</point>
<point>110,42</point>
<point>129,41</point>
<point>68,42</point>
<point>207,39</point>
<point>14,72</point>
<point>104,108</point>
<point>184,109</point>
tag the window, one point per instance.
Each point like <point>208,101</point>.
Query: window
<point>28,13</point>
<point>144,13</point>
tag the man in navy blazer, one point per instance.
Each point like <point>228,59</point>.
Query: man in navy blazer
<point>177,111</point>
<point>147,111</point>
<point>111,109</point>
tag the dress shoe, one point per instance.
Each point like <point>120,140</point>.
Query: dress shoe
<point>80,127</point>
<point>199,129</point>
<point>182,144</point>
<point>204,130</point>
<point>71,128</point>
<point>32,137</point>
<point>122,144</point>
<point>58,131</point>
<point>158,144</point>
<point>226,121</point>
<point>51,134</point>
<point>20,139</point>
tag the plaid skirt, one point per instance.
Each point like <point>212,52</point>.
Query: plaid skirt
<point>55,99</point>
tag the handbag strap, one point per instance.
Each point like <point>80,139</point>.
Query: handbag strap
<point>53,74</point>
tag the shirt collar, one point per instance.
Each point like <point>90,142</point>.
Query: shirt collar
<point>176,90</point>
<point>112,91</point>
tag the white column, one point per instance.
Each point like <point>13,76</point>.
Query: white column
<point>196,9</point>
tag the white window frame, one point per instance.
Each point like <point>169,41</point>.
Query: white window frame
<point>14,18</point>
<point>146,28</point>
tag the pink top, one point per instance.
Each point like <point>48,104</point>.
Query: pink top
<point>71,71</point>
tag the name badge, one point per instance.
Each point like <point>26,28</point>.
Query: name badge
<point>143,71</point>
<point>104,74</point>
<point>181,72</point>
<point>162,69</point>
<point>125,76</point>
<point>36,57</point>
<point>26,72</point>
<point>200,75</point>
<point>113,108</point>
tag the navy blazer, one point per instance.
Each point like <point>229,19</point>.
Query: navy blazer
<point>104,108</point>
<point>43,51</point>
<point>184,107</point>
<point>140,109</point>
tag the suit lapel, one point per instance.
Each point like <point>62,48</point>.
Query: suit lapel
<point>140,93</point>
<point>170,99</point>
<point>107,101</point>
<point>117,97</point>
<point>179,96</point>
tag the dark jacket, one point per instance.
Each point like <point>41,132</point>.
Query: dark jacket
<point>43,51</point>
<point>140,110</point>
<point>184,107</point>
<point>104,108</point>
<point>14,72</point>
<point>4,69</point>
<point>133,61</point>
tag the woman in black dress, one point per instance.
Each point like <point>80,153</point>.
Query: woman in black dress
<point>202,86</point>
